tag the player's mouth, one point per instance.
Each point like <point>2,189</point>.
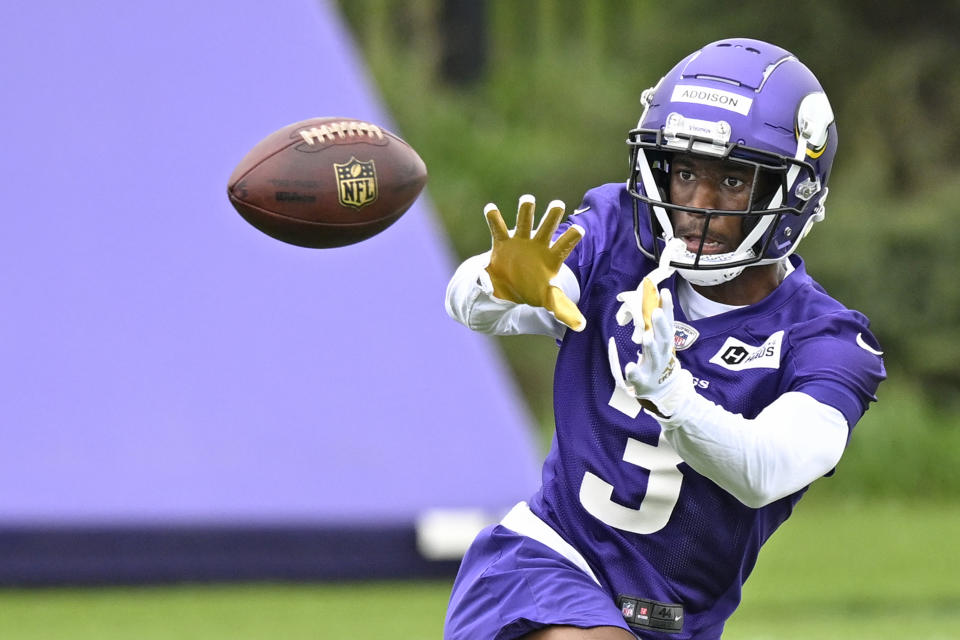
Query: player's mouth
<point>711,244</point>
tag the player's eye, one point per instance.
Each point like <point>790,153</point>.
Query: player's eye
<point>732,182</point>
<point>684,174</point>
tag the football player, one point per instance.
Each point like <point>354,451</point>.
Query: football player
<point>704,379</point>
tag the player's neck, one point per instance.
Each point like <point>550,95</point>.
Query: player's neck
<point>751,286</point>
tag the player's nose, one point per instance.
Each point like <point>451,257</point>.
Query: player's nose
<point>704,196</point>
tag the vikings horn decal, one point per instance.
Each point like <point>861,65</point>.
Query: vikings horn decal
<point>814,118</point>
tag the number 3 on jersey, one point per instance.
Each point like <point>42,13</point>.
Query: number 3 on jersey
<point>663,485</point>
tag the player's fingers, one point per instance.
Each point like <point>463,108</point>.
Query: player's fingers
<point>666,302</point>
<point>525,216</point>
<point>663,320</point>
<point>498,229</point>
<point>624,314</point>
<point>550,222</point>
<point>663,326</point>
<point>613,357</point>
<point>651,301</point>
<point>566,242</point>
<point>647,343</point>
<point>564,309</point>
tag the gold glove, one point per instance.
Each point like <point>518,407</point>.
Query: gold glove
<point>523,263</point>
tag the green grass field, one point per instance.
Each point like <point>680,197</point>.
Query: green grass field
<point>835,571</point>
<point>856,570</point>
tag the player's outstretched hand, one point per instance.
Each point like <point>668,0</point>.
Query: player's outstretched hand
<point>523,262</point>
<point>656,378</point>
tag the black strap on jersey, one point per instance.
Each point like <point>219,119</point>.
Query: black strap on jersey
<point>641,613</point>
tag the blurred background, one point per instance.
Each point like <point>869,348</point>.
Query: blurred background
<point>517,97</point>
<point>503,98</point>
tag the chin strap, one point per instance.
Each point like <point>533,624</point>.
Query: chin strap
<point>710,277</point>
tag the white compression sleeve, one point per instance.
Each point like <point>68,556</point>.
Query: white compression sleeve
<point>787,446</point>
<point>470,301</point>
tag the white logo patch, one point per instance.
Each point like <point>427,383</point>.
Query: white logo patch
<point>712,97</point>
<point>737,356</point>
<point>683,335</point>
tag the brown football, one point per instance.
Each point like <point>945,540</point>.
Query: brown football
<point>326,182</point>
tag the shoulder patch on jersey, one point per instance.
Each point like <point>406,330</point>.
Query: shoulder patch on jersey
<point>683,335</point>
<point>737,355</point>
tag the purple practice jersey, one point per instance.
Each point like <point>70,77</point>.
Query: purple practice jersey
<point>652,529</point>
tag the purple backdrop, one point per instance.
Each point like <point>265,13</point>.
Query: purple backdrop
<point>161,362</point>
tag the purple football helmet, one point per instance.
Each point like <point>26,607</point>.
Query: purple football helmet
<point>751,103</point>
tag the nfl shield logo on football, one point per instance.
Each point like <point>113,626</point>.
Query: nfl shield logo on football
<point>683,335</point>
<point>356,183</point>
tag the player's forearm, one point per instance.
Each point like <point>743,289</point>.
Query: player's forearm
<point>790,444</point>
<point>470,301</point>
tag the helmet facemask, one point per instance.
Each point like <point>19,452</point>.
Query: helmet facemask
<point>768,204</point>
